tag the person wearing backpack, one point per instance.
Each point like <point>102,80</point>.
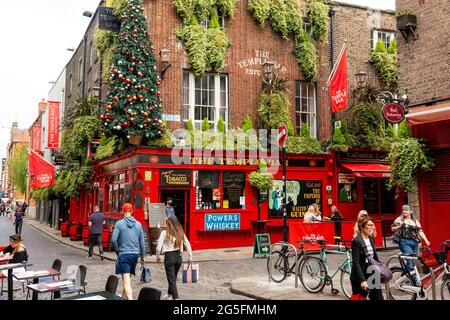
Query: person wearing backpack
<point>363,247</point>
<point>409,233</point>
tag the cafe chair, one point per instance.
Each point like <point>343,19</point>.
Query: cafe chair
<point>148,293</point>
<point>80,283</point>
<point>111,284</point>
<point>56,266</point>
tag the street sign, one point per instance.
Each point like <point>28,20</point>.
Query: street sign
<point>282,134</point>
<point>107,20</point>
<point>393,113</point>
<point>262,246</point>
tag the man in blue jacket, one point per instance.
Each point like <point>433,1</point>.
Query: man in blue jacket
<point>128,243</point>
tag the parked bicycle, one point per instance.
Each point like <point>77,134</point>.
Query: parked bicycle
<point>315,272</point>
<point>282,262</point>
<point>408,285</point>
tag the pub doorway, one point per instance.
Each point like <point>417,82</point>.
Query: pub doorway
<point>180,203</point>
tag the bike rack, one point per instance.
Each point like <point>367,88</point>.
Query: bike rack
<point>282,244</point>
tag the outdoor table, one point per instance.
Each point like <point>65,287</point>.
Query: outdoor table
<point>48,287</point>
<point>99,295</point>
<point>10,267</point>
<point>35,275</point>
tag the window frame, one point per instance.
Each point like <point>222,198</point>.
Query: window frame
<point>80,70</point>
<point>383,31</point>
<point>222,19</point>
<point>298,110</point>
<point>191,91</point>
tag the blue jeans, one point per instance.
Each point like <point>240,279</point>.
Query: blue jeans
<point>409,246</point>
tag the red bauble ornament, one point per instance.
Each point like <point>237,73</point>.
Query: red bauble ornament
<point>158,83</point>
<point>145,125</point>
<point>140,74</point>
<point>116,98</point>
<point>131,119</point>
<point>131,69</point>
<point>134,98</point>
<point>140,97</point>
<point>145,114</point>
<point>149,120</point>
<point>133,58</point>
<point>140,63</point>
<point>109,107</point>
<point>139,86</point>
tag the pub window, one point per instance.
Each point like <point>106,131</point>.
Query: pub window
<point>305,106</point>
<point>205,97</point>
<point>385,36</point>
<point>347,191</point>
<point>208,196</point>
<point>307,28</point>
<point>118,193</point>
<point>233,187</point>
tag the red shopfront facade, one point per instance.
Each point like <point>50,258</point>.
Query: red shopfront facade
<point>211,194</point>
<point>432,124</point>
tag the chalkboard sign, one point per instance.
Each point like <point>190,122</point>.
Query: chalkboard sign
<point>146,240</point>
<point>262,246</point>
<point>157,215</point>
<point>107,20</point>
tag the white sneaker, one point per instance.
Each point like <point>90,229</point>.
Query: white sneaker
<point>167,297</point>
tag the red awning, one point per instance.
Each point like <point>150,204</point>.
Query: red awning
<point>368,170</point>
<point>420,115</point>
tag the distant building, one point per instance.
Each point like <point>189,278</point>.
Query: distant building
<point>19,140</point>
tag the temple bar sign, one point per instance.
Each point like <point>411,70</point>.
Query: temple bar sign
<point>252,65</point>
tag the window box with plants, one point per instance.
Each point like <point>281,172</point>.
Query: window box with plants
<point>406,22</point>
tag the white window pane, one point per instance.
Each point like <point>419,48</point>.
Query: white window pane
<point>198,83</point>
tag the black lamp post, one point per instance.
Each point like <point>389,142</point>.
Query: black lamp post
<point>165,53</point>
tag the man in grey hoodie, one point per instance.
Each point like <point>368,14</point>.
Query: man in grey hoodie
<point>128,243</point>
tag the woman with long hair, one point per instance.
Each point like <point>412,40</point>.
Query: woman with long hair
<point>171,243</point>
<point>363,246</point>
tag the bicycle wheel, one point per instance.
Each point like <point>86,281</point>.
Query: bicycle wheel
<point>277,266</point>
<point>445,290</point>
<point>312,274</point>
<point>346,285</point>
<point>394,292</point>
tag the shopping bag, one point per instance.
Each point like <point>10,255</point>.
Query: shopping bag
<point>146,275</point>
<point>190,273</point>
<point>357,296</point>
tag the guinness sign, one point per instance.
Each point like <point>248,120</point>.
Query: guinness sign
<point>175,178</point>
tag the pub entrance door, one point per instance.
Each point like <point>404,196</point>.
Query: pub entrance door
<point>180,203</point>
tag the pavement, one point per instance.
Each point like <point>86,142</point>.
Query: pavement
<point>229,273</point>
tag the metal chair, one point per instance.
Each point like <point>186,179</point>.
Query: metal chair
<point>111,284</point>
<point>148,293</point>
<point>80,283</point>
<point>56,266</point>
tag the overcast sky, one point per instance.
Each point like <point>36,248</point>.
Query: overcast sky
<point>34,37</point>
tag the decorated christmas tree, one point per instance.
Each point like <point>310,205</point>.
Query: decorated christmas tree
<point>133,106</point>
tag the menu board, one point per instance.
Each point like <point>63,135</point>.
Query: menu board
<point>233,189</point>
<point>370,195</point>
<point>300,195</point>
<point>157,215</point>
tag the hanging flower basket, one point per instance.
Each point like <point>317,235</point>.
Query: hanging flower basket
<point>135,140</point>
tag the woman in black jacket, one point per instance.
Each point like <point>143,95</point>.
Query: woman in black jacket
<point>363,246</point>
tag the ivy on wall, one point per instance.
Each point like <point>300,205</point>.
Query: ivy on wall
<point>317,17</point>
<point>205,48</point>
<point>306,54</point>
<point>385,63</point>
<point>74,141</point>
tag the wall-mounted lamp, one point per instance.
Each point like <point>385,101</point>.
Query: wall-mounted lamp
<point>268,67</point>
<point>361,78</point>
<point>88,14</point>
<point>165,53</point>
<point>71,49</point>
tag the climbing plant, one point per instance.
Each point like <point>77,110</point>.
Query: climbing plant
<point>74,141</point>
<point>385,63</point>
<point>306,54</point>
<point>317,17</point>
<point>205,47</point>
<point>18,168</point>
<point>406,157</point>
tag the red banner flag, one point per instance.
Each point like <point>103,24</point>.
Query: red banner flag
<point>36,138</point>
<point>42,173</point>
<point>53,125</point>
<point>338,87</point>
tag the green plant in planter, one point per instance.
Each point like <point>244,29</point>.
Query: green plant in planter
<point>317,17</point>
<point>406,158</point>
<point>306,54</point>
<point>339,141</point>
<point>221,125</point>
<point>205,125</point>
<point>166,141</point>
<point>402,13</point>
<point>307,145</point>
<point>385,63</point>
<point>247,123</point>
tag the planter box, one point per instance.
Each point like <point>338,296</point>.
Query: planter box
<point>404,22</point>
<point>135,140</point>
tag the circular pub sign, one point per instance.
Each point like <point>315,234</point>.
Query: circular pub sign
<point>393,113</point>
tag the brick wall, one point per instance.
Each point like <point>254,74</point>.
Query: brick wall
<point>249,40</point>
<point>424,63</point>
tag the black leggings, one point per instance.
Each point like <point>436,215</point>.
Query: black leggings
<point>19,227</point>
<point>172,264</point>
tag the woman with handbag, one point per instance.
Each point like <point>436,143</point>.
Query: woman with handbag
<point>171,243</point>
<point>363,249</point>
<point>409,232</point>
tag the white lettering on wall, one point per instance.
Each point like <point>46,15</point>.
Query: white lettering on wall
<point>253,66</point>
